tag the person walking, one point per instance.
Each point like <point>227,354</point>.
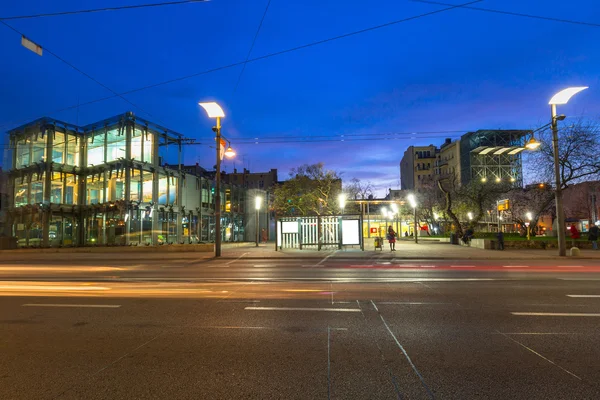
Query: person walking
<point>593,235</point>
<point>391,236</point>
<point>263,235</point>
<point>574,234</point>
<point>500,240</point>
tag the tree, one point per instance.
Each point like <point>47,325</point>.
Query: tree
<point>310,190</point>
<point>358,190</point>
<point>578,150</point>
<point>537,200</point>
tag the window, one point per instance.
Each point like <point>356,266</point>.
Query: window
<point>21,197</point>
<point>39,149</point>
<point>71,194</point>
<point>147,188</point>
<point>72,150</point>
<point>95,153</point>
<point>37,190</point>
<point>115,145</point>
<point>163,187</point>
<point>56,190</point>
<point>23,153</point>
<point>136,145</point>
<point>58,148</point>
<point>95,192</point>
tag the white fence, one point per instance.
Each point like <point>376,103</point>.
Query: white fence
<point>323,232</point>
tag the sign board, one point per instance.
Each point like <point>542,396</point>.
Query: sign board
<point>289,227</point>
<point>503,205</point>
<point>373,230</point>
<point>350,231</point>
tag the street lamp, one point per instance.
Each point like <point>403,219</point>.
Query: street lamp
<point>413,203</point>
<point>257,203</point>
<point>395,210</point>
<point>529,217</point>
<point>342,201</point>
<point>561,97</point>
<point>215,111</point>
<point>470,215</point>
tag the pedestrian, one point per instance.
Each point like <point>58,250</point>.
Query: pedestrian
<point>391,236</point>
<point>593,236</point>
<point>500,240</point>
<point>574,234</point>
<point>263,235</point>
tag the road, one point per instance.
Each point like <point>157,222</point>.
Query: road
<point>374,327</point>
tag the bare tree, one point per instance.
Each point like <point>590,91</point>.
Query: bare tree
<point>578,154</point>
<point>358,190</point>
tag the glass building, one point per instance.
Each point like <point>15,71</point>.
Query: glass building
<point>115,182</point>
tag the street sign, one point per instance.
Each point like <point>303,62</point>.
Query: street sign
<point>503,205</point>
<point>373,230</point>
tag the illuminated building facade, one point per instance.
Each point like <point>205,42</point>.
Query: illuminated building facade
<point>115,182</point>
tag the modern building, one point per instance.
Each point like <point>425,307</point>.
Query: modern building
<point>492,155</point>
<point>253,180</point>
<point>417,167</point>
<point>119,181</point>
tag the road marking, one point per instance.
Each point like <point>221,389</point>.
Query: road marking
<point>584,295</point>
<point>408,303</point>
<point>427,266</point>
<point>51,288</point>
<point>325,259</point>
<point>232,261</point>
<point>174,266</point>
<point>536,333</point>
<point>74,305</point>
<point>311,266</point>
<point>570,266</point>
<point>549,314</point>
<point>515,266</point>
<point>538,354</point>
<point>302,309</point>
<point>462,266</point>
<point>264,266</point>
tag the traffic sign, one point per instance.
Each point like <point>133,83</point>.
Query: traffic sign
<point>503,205</point>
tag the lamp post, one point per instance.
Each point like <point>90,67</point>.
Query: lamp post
<point>395,210</point>
<point>561,97</point>
<point>215,111</point>
<point>413,203</point>
<point>257,203</point>
<point>529,217</point>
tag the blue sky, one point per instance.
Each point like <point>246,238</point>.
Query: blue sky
<point>458,70</point>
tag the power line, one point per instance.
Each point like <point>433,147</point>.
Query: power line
<point>292,49</point>
<point>516,14</point>
<point>79,70</point>
<point>94,10</point>
<point>252,46</point>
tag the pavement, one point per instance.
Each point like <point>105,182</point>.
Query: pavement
<point>428,250</point>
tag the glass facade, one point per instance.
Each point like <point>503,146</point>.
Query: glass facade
<point>105,185</point>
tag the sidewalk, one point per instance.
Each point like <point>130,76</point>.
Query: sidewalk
<point>424,250</point>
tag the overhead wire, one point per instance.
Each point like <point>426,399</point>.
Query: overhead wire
<point>266,56</point>
<point>513,13</point>
<point>252,46</point>
<point>103,9</point>
<point>79,70</point>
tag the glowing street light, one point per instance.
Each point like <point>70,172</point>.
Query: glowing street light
<point>215,111</point>
<point>412,200</point>
<point>470,215</point>
<point>257,204</point>
<point>342,202</point>
<point>561,97</point>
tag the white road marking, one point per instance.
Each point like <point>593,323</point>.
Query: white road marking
<point>232,261</point>
<point>264,266</point>
<point>549,314</point>
<point>408,303</point>
<point>51,288</point>
<point>462,266</point>
<point>515,266</point>
<point>538,354</point>
<point>536,333</point>
<point>325,259</point>
<point>74,305</point>
<point>302,309</point>
<point>584,295</point>
<point>427,266</point>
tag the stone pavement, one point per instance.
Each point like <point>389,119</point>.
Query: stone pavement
<point>424,250</point>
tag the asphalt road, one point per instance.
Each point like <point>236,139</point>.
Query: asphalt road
<point>370,328</point>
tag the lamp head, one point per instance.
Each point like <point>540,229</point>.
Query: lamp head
<point>565,95</point>
<point>532,144</point>
<point>229,152</point>
<point>213,109</point>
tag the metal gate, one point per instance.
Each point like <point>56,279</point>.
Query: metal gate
<point>323,232</point>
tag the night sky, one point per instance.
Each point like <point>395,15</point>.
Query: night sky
<point>448,73</point>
